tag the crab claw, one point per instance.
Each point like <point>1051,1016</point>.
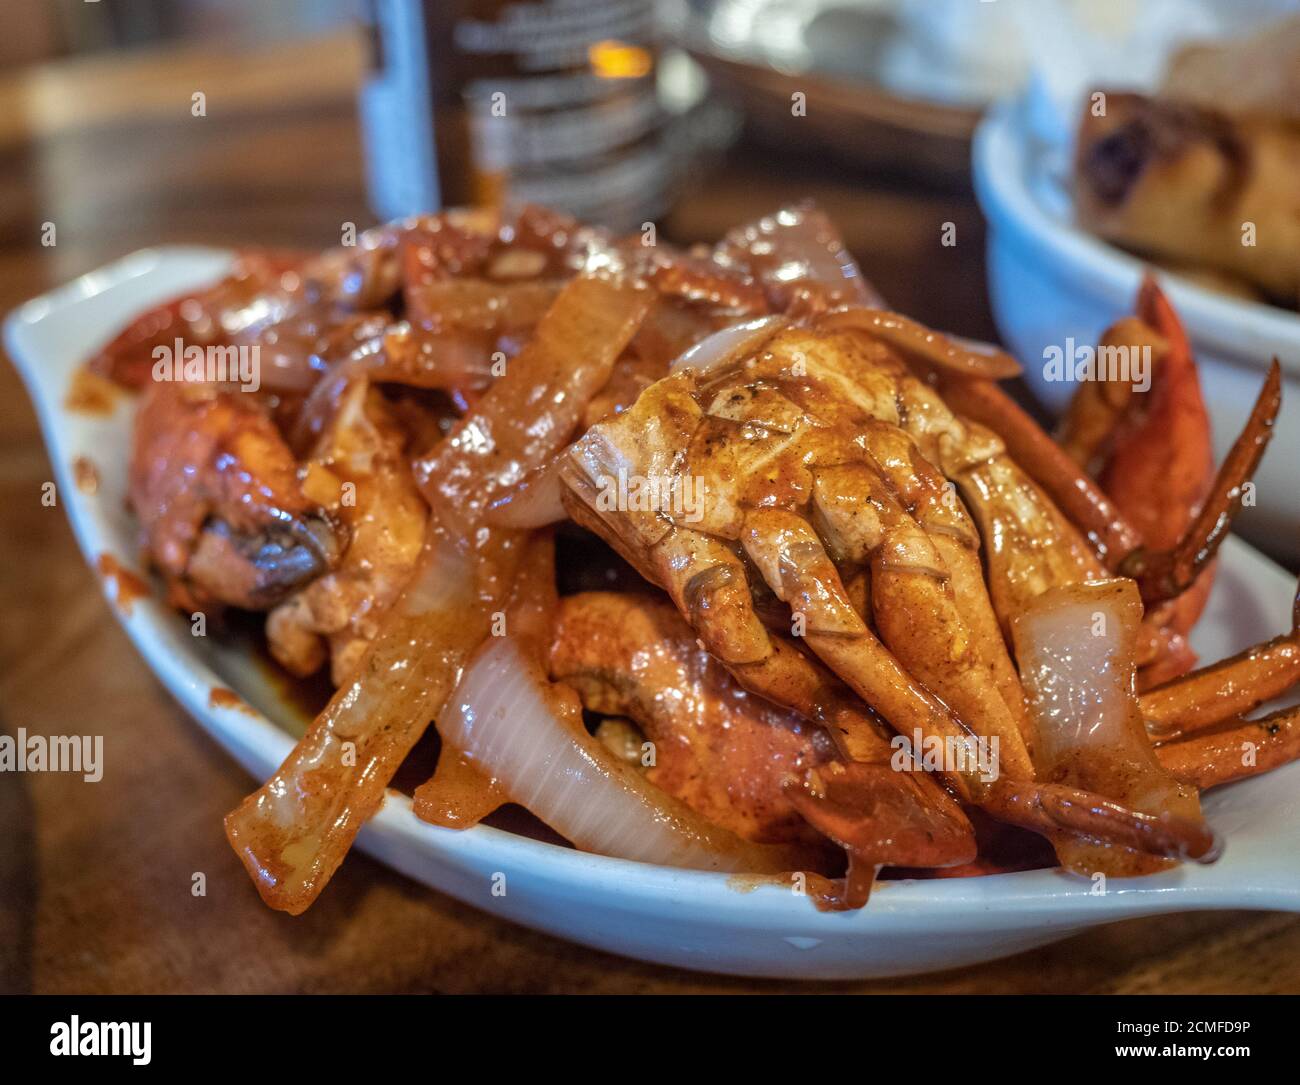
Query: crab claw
<point>881,818</point>
<point>1150,452</point>
<point>1160,465</point>
<point>218,495</point>
<point>1166,574</point>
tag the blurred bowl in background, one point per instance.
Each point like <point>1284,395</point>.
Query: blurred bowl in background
<point>1049,280</point>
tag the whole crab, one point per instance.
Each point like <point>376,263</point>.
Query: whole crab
<point>867,549</point>
<point>846,507</point>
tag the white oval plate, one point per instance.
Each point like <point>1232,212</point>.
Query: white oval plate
<point>685,918</point>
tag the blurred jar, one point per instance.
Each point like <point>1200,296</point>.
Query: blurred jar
<point>494,102</point>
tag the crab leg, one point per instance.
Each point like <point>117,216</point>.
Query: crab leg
<point>1051,809</point>
<point>938,509</point>
<point>861,662</point>
<point>908,577</point>
<point>1029,546</point>
<point>1165,574</point>
<point>1231,687</point>
<point>1080,498</point>
<point>706,580</point>
<point>1238,749</point>
<point>880,816</point>
<point>792,561</point>
<point>928,347</point>
<point>1162,573</point>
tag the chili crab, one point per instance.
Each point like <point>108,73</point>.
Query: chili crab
<point>884,554</point>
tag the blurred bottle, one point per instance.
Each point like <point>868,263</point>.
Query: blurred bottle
<point>494,102</point>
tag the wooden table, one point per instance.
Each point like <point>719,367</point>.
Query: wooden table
<point>95,879</point>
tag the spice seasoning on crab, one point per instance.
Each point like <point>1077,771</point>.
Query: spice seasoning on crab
<point>776,435</point>
<point>872,523</point>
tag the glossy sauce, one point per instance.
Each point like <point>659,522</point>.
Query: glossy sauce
<point>220,697</point>
<point>89,393</point>
<point>826,894</point>
<point>129,585</point>
<point>459,795</point>
<point>86,475</point>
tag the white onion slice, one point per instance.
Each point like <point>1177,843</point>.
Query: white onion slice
<point>797,244</point>
<point>728,343</point>
<point>533,502</point>
<point>500,718</point>
<point>443,580</point>
<point>1074,645</point>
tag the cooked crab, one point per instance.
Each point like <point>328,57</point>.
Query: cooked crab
<point>876,549</point>
<point>825,461</point>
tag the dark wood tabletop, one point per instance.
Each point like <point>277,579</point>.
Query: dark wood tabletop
<point>95,879</point>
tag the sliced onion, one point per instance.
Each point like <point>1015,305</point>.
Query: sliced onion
<point>1075,646</point>
<point>798,244</point>
<point>532,503</point>
<point>729,344</point>
<point>505,719</point>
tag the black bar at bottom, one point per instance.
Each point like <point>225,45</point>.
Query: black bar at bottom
<point>273,1034</point>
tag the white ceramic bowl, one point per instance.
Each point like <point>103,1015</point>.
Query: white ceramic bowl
<point>685,918</point>
<point>1048,279</point>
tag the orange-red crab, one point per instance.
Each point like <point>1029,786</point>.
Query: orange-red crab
<point>760,769</point>
<point>1147,447</point>
<point>823,462</point>
<point>842,507</point>
<point>223,512</point>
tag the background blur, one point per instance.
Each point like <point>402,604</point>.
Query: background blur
<point>43,29</point>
